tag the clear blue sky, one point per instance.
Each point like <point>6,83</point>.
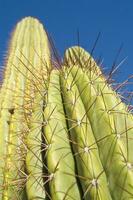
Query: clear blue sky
<point>62,18</point>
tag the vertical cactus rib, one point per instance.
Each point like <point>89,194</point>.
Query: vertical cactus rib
<point>111,123</point>
<point>34,162</point>
<point>61,169</point>
<point>90,170</point>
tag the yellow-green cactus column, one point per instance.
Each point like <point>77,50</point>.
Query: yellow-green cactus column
<point>22,61</point>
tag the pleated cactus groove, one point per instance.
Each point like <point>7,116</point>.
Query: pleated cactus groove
<point>65,134</point>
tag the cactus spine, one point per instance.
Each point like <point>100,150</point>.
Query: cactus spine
<point>64,132</point>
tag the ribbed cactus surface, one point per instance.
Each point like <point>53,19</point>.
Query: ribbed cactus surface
<point>65,134</point>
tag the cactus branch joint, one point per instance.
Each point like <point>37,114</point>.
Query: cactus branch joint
<point>65,133</point>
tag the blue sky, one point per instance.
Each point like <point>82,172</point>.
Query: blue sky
<point>62,19</point>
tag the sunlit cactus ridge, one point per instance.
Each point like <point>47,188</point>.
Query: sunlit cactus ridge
<point>65,133</point>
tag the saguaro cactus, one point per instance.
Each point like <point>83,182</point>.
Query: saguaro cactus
<point>64,132</point>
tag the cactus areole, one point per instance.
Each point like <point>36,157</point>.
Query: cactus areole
<point>65,134</point>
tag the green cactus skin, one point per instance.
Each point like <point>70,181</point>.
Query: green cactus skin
<point>34,164</point>
<point>64,133</point>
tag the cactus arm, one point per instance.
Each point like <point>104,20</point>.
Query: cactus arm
<point>61,170</point>
<point>90,170</point>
